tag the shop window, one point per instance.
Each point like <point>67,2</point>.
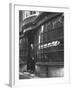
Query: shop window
<point>45,27</point>
<point>49,26</point>
<point>45,45</point>
<point>41,38</point>
<point>45,38</point>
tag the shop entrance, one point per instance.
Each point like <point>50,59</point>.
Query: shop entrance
<point>31,59</point>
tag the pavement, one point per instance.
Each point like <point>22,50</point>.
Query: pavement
<point>27,75</point>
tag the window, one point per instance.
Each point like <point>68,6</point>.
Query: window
<point>49,26</point>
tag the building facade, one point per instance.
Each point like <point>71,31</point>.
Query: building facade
<point>43,44</point>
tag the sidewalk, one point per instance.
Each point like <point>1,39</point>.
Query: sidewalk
<point>27,75</point>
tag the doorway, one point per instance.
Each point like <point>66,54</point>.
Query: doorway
<point>31,58</point>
